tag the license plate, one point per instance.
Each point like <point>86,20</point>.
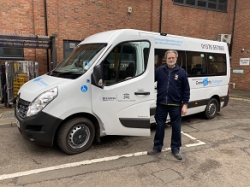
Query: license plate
<point>17,124</point>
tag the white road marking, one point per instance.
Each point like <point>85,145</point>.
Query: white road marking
<point>189,136</point>
<point>87,162</point>
<point>240,99</point>
<point>195,144</point>
<point>74,164</point>
<point>193,138</point>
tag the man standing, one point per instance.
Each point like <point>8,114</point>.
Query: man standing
<point>173,93</point>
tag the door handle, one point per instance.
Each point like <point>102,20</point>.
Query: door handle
<point>142,93</point>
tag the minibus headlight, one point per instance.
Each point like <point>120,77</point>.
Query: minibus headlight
<point>41,101</point>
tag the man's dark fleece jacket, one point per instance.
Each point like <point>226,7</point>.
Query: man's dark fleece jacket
<point>173,88</point>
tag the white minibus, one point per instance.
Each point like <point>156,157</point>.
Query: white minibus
<point>106,87</point>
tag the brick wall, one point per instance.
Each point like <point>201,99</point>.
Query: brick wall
<point>241,40</point>
<point>75,20</point>
<point>195,22</point>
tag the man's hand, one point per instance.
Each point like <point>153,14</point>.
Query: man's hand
<point>184,110</point>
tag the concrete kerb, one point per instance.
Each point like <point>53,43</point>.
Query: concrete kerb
<point>7,118</point>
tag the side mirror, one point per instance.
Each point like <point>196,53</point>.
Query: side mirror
<point>96,77</point>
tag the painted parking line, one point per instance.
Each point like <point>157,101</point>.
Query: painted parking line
<point>193,138</point>
<point>88,162</point>
<point>69,165</point>
<point>240,99</point>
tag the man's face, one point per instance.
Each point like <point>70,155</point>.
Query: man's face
<point>171,59</point>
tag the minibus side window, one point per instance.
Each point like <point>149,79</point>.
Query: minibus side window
<point>196,64</point>
<point>181,60</point>
<point>145,55</point>
<point>216,64</point>
<point>206,64</point>
<point>125,61</point>
<point>161,60</point>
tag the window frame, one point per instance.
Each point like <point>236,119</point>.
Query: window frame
<point>67,49</point>
<point>15,57</point>
<point>208,2</point>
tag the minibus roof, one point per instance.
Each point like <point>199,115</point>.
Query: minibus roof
<point>126,34</point>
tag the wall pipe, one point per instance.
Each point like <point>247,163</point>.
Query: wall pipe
<point>160,17</point>
<point>46,31</point>
<point>232,38</point>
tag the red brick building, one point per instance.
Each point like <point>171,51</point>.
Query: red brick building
<point>71,21</point>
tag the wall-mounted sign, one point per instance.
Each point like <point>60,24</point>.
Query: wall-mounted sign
<point>238,71</point>
<point>25,41</point>
<point>244,61</point>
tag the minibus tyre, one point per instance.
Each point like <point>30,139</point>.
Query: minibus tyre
<point>76,135</point>
<point>211,109</point>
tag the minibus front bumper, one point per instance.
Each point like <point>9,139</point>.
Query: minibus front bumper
<point>40,128</point>
<point>226,100</point>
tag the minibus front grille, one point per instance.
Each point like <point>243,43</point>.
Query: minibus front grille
<point>22,108</point>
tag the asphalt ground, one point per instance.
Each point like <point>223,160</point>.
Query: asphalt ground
<point>216,153</point>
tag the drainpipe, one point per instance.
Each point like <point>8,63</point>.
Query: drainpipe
<point>46,32</point>
<point>232,38</point>
<point>160,16</point>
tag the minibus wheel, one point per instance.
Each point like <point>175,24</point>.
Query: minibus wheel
<point>76,135</point>
<point>211,109</point>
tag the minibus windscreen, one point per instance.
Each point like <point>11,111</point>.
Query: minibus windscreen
<point>79,61</point>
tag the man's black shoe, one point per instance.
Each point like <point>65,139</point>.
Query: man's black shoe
<point>153,152</point>
<point>177,156</point>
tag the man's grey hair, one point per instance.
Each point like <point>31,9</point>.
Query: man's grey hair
<point>171,51</point>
